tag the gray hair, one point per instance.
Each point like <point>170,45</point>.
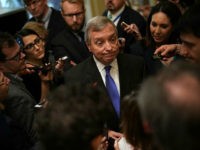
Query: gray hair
<point>172,120</point>
<point>97,24</point>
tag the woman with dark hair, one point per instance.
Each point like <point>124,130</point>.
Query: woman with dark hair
<point>161,30</point>
<point>39,73</point>
<point>135,137</point>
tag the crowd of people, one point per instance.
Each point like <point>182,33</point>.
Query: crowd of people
<point>120,81</point>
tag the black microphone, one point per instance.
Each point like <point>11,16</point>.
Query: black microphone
<point>52,60</point>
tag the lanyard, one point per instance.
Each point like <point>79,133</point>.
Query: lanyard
<point>117,18</point>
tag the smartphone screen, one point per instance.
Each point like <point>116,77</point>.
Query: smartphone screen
<point>124,25</point>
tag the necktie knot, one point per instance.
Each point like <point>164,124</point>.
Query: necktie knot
<point>107,68</point>
<point>110,16</point>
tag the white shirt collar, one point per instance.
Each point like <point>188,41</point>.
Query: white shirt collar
<point>116,14</point>
<point>114,72</point>
<point>101,66</point>
<point>46,18</point>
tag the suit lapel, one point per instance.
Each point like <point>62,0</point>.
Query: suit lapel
<point>123,80</point>
<point>93,75</point>
<point>75,47</point>
<point>18,83</point>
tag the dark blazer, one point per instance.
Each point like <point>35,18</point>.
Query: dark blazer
<point>131,74</point>
<point>152,65</point>
<point>33,85</point>
<point>130,16</point>
<point>67,44</point>
<point>19,106</point>
<point>5,133</point>
<point>56,25</point>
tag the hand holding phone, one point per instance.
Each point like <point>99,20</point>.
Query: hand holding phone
<point>157,56</point>
<point>124,24</point>
<point>63,58</point>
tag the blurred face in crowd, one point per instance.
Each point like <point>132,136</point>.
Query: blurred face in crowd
<point>160,28</point>
<point>104,44</point>
<point>114,5</point>
<point>191,45</point>
<point>34,47</point>
<point>74,15</point>
<point>14,61</point>
<point>184,92</point>
<point>37,8</point>
<point>4,82</point>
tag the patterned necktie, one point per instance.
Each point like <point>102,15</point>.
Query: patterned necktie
<point>112,90</point>
<point>110,16</point>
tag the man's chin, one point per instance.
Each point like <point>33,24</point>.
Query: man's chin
<point>110,7</point>
<point>108,61</point>
<point>77,29</point>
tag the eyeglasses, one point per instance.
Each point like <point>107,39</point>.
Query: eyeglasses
<point>33,2</point>
<point>31,46</point>
<point>16,57</point>
<point>78,15</point>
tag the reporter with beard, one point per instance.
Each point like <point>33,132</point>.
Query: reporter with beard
<point>70,42</point>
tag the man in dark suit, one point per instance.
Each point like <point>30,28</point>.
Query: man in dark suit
<point>50,17</point>
<point>19,103</point>
<point>70,41</point>
<point>127,71</point>
<point>119,12</point>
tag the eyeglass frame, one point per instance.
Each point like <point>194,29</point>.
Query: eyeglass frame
<point>31,46</point>
<point>16,57</point>
<point>78,15</point>
<point>33,2</point>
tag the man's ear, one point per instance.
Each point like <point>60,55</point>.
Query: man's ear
<point>88,46</point>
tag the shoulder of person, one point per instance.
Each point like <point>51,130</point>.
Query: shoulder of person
<point>56,14</point>
<point>130,9</point>
<point>61,37</point>
<point>130,57</point>
<point>133,14</point>
<point>81,67</point>
<point>55,11</point>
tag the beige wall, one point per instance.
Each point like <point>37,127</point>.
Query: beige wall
<point>94,8</point>
<point>97,7</point>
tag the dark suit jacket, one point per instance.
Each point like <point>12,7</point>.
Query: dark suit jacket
<point>5,133</point>
<point>131,16</point>
<point>67,44</point>
<point>19,106</point>
<point>56,25</point>
<point>131,74</point>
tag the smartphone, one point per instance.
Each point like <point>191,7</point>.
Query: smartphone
<point>157,56</point>
<point>43,69</point>
<point>110,140</point>
<point>105,131</point>
<point>63,58</point>
<point>124,24</point>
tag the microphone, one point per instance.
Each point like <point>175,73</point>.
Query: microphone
<point>52,60</point>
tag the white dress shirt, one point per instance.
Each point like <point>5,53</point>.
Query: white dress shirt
<point>114,72</point>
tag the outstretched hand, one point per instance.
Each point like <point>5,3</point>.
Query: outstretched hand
<point>133,29</point>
